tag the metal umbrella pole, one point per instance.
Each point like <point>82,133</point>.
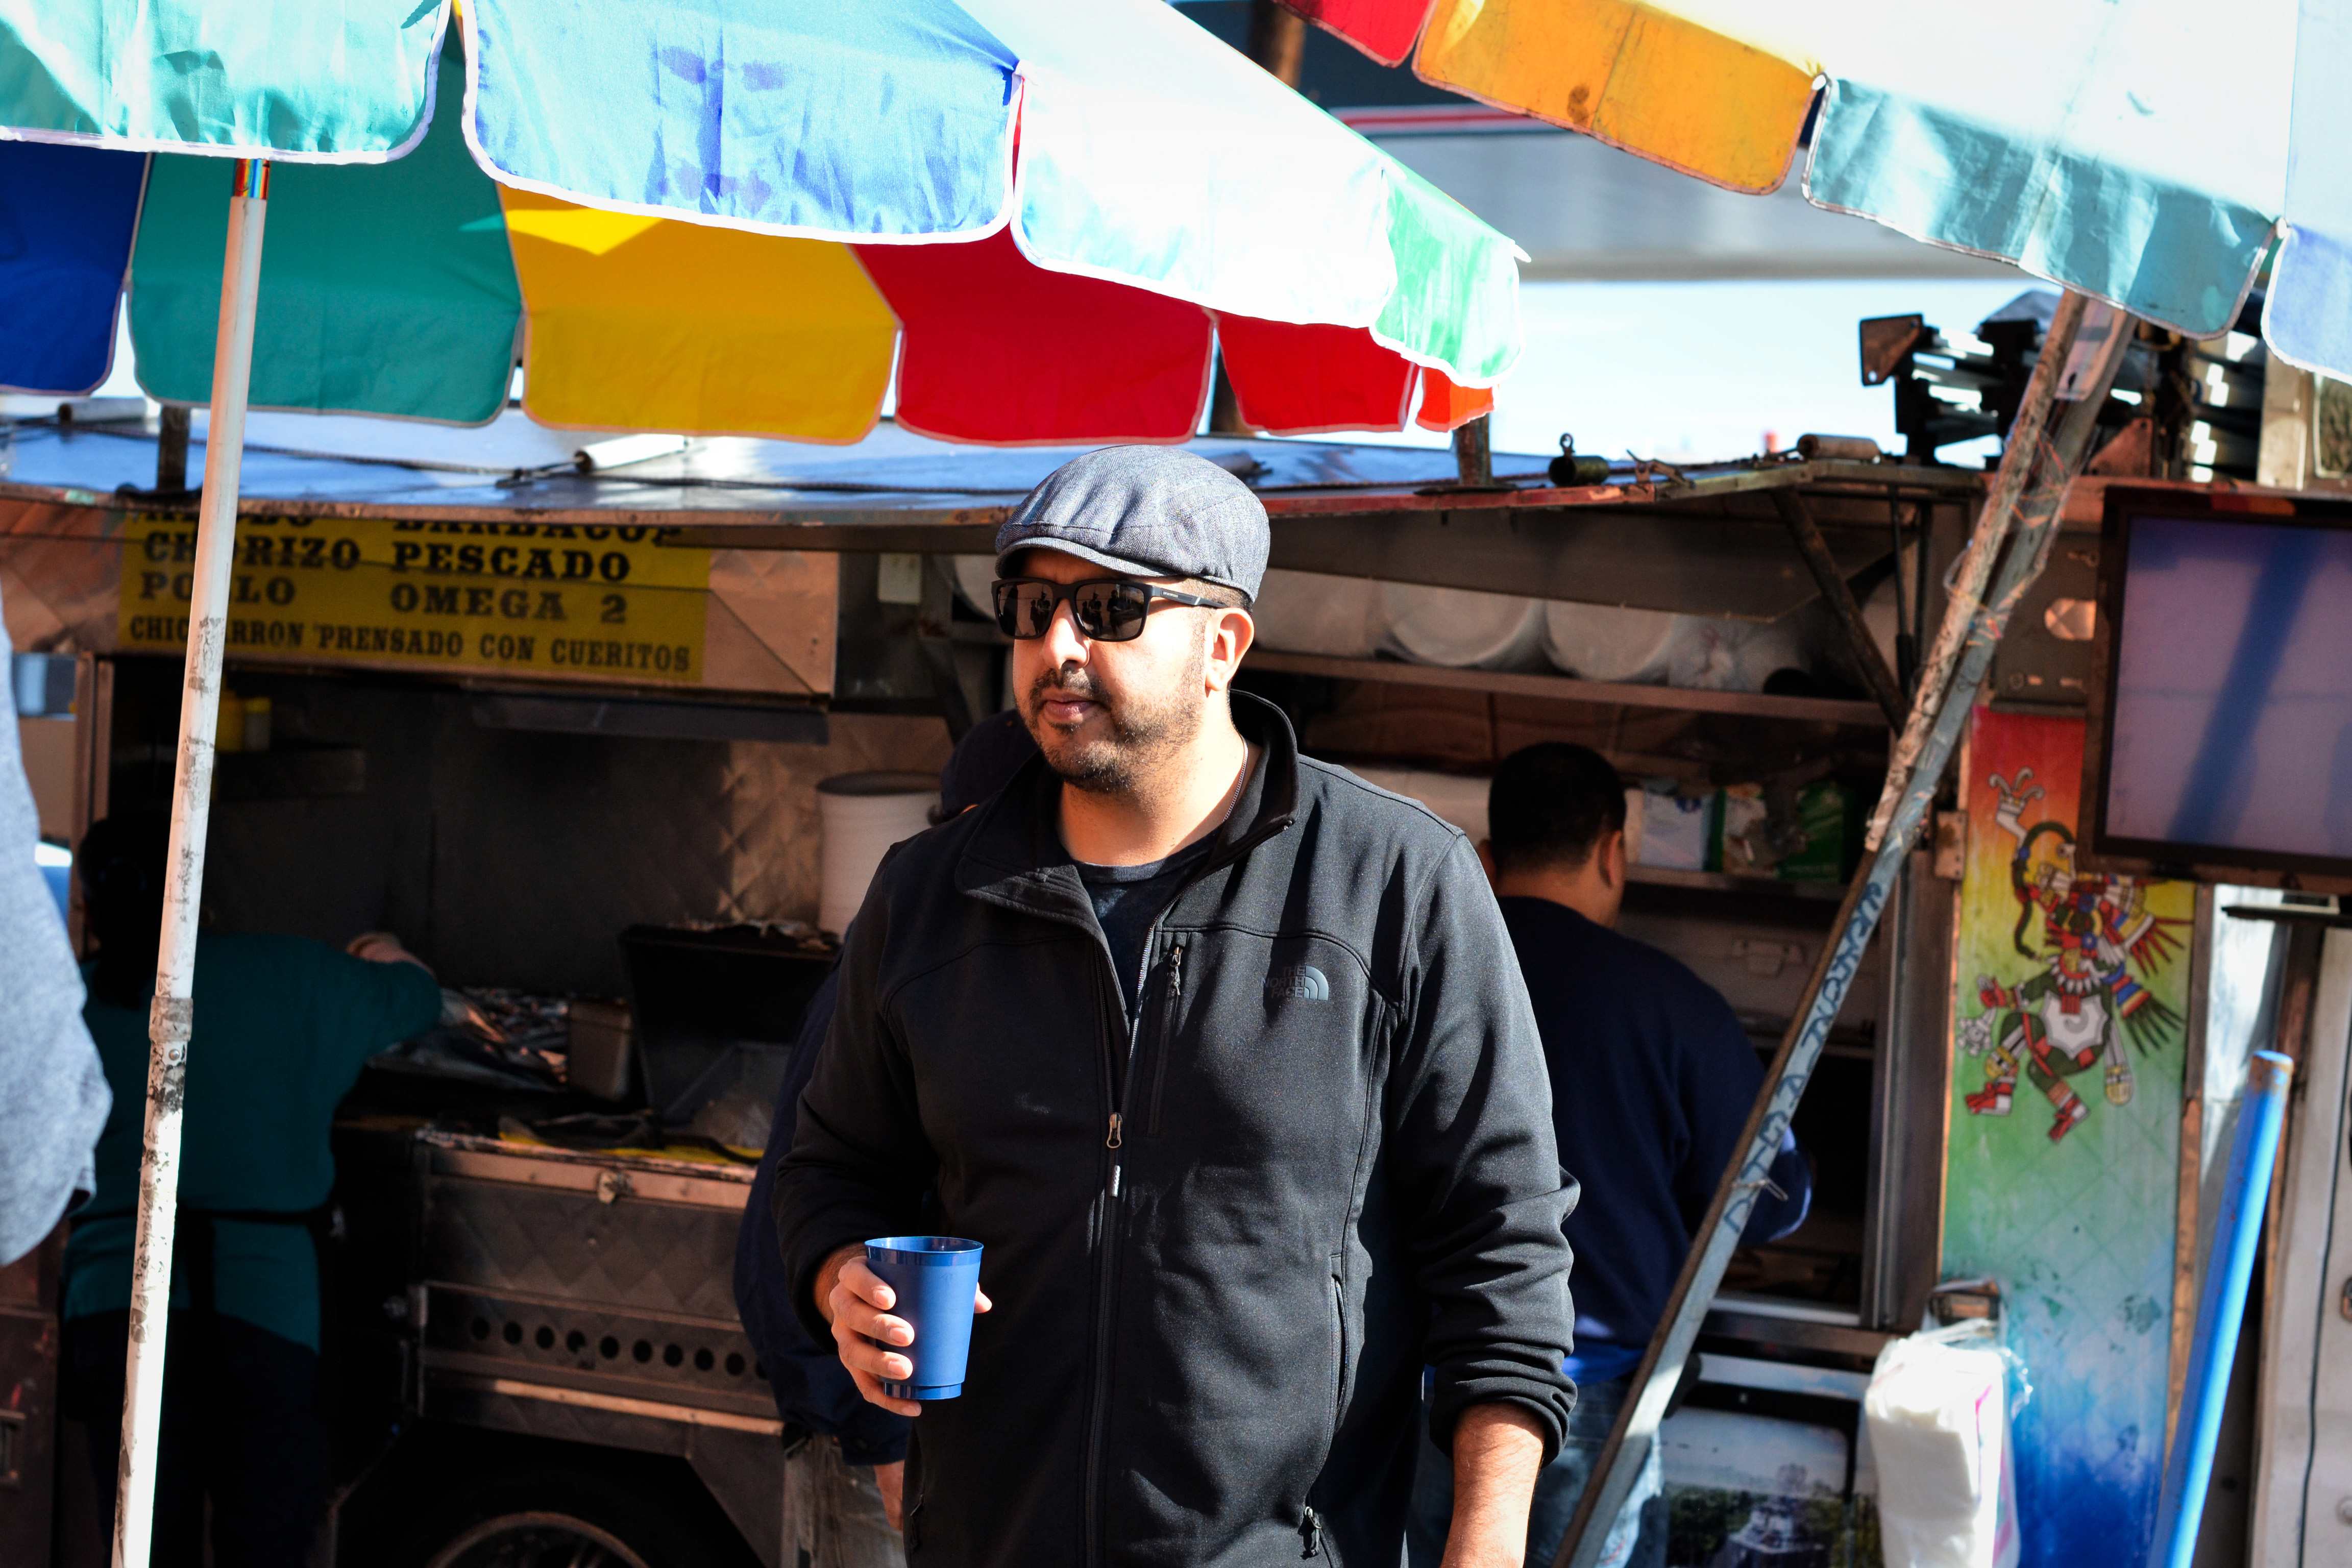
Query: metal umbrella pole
<point>169,1022</point>
<point>1973,627</point>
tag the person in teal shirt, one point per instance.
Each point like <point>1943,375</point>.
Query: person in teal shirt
<point>283,1027</point>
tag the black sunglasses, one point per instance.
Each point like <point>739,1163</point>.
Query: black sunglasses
<point>1108,609</point>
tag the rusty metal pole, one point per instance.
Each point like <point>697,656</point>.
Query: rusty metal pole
<point>2028,520</point>
<point>172,447</point>
<point>1277,39</point>
<point>169,1021</point>
<point>1474,453</point>
<point>1974,569</point>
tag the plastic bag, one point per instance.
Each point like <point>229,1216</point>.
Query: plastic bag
<point>1938,1407</point>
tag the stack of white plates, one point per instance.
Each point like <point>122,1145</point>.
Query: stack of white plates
<point>1605,642</point>
<point>1698,653</point>
<point>1310,612</point>
<point>1461,629</point>
<point>974,574</point>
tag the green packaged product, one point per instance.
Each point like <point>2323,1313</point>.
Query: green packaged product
<point>1829,834</point>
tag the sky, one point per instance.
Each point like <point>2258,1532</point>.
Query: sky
<point>1681,370</point>
<point>1705,370</point>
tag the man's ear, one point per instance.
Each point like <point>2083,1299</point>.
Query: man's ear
<point>1611,859</point>
<point>1230,637</point>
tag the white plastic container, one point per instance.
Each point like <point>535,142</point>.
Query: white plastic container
<point>1676,829</point>
<point>1314,612</point>
<point>1462,628</point>
<point>861,816</point>
<point>1938,1415</point>
<point>1724,655</point>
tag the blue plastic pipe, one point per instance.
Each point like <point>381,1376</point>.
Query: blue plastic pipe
<point>2220,1308</point>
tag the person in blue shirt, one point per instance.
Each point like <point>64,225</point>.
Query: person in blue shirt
<point>1652,1081</point>
<point>844,1458</point>
<point>281,1028</point>
<point>53,1094</point>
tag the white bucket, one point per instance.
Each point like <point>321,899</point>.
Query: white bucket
<point>861,815</point>
<point>1313,612</point>
<point>1462,628</point>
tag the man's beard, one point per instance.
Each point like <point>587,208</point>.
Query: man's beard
<point>1134,734</point>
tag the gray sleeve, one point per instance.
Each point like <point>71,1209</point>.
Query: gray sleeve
<point>53,1093</point>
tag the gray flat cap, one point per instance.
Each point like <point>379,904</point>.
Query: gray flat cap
<point>1147,511</point>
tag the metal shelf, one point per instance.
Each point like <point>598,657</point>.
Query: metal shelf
<point>1720,882</point>
<point>1568,689</point>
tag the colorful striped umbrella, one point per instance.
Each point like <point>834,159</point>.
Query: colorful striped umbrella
<point>732,216</point>
<point>2145,152</point>
<point>1046,217</point>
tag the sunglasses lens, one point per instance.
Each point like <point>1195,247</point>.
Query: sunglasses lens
<point>1023,610</point>
<point>1106,612</point>
<point>1111,612</point>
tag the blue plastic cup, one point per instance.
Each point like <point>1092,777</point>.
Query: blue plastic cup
<point>936,1278</point>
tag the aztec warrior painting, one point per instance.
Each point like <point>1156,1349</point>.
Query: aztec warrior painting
<point>2068,1040</point>
<point>2062,1165</point>
<point>2084,998</point>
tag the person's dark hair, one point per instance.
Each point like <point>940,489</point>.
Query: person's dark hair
<point>120,865</point>
<point>1550,804</point>
<point>1217,594</point>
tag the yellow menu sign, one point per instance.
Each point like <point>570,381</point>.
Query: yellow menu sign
<point>564,599</point>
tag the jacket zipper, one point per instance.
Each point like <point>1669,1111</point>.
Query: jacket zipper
<point>1114,1138</point>
<point>1113,1141</point>
<point>1168,1005</point>
<point>1310,1523</point>
<point>1122,1086</point>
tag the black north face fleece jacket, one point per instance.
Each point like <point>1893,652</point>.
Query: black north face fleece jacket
<point>1220,1252</point>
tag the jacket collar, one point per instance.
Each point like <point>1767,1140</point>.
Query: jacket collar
<point>1015,856</point>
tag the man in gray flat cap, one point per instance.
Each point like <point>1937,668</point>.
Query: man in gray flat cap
<point>1224,1056</point>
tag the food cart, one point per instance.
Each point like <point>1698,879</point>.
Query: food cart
<point>522,657</point>
<point>515,1311</point>
<point>436,766</point>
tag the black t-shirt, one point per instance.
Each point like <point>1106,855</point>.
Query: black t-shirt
<point>1128,900</point>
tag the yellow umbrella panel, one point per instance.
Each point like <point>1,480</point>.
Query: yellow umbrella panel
<point>644,323</point>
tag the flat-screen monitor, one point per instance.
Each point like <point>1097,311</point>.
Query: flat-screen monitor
<point>2221,734</point>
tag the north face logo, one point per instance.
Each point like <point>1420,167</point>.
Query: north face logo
<point>1301,980</point>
